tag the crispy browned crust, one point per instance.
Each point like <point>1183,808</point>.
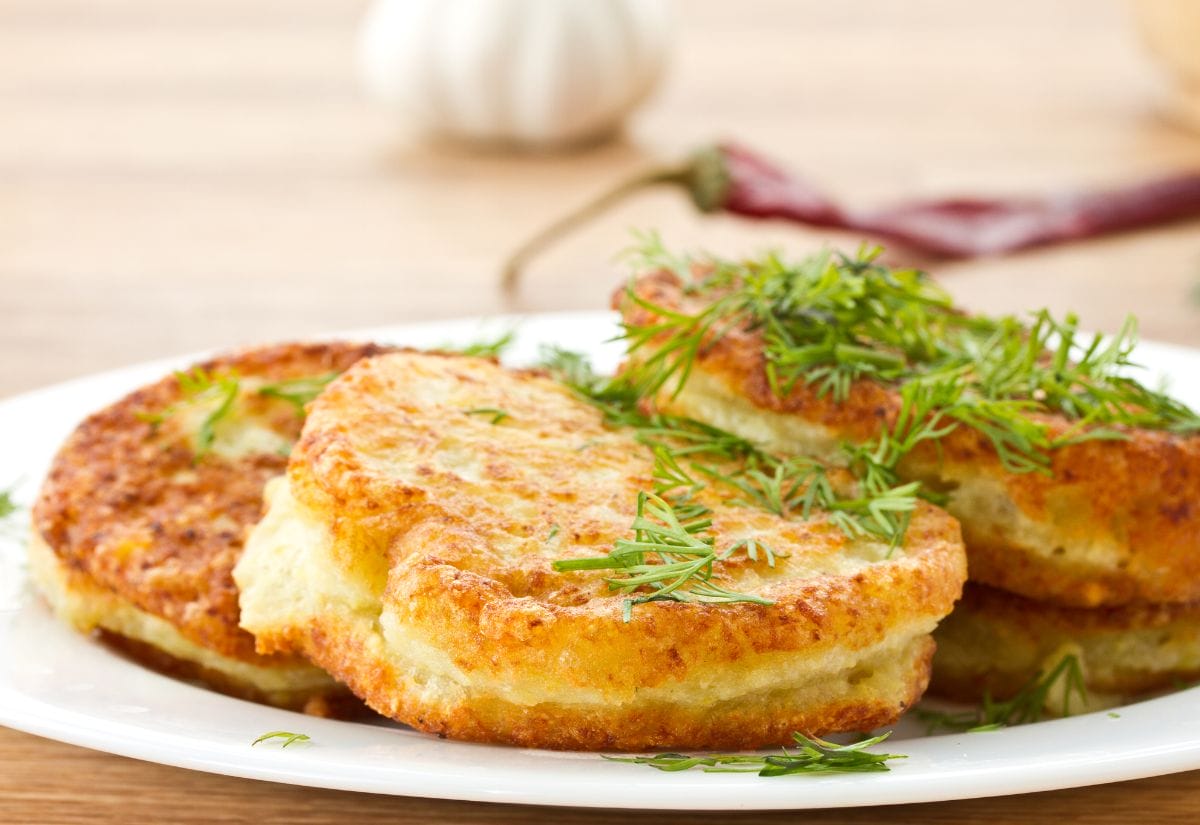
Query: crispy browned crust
<point>995,642</point>
<point>1138,497</point>
<point>113,507</point>
<point>746,724</point>
<point>457,560</point>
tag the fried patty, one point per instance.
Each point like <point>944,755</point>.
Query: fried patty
<point>995,642</point>
<point>1116,521</point>
<point>140,521</point>
<point>409,552</point>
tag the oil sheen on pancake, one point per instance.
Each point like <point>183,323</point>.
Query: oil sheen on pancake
<point>140,519</point>
<point>1113,522</point>
<point>996,642</point>
<point>409,550</point>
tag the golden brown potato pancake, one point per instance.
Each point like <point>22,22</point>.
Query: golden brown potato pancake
<point>995,642</point>
<point>1116,521</point>
<point>409,552</point>
<point>139,523</point>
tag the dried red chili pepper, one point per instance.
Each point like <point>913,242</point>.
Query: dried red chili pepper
<point>730,178</point>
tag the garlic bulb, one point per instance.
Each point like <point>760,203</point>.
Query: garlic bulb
<point>535,72</point>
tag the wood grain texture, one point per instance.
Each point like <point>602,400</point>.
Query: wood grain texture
<point>85,787</point>
<point>205,173</point>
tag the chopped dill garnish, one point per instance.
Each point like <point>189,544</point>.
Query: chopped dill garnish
<point>299,392</point>
<point>554,531</point>
<point>671,556</point>
<point>833,319</point>
<point>201,387</point>
<point>811,755</point>
<point>673,535</point>
<point>1026,705</point>
<point>485,349</point>
<point>690,455</point>
<point>497,415</point>
<point>8,509</point>
<point>8,504</point>
<point>287,737</point>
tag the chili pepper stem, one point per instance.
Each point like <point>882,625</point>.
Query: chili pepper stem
<point>517,261</point>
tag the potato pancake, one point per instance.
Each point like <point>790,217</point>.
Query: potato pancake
<point>995,642</point>
<point>143,514</point>
<point>409,551</point>
<point>1113,520</point>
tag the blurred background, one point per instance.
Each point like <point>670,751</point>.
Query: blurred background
<point>206,173</point>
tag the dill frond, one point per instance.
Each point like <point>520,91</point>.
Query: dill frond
<point>287,738</point>
<point>299,392</point>
<point>1026,705</point>
<point>200,387</point>
<point>811,755</point>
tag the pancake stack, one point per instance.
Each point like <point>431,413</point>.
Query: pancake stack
<point>418,507</point>
<point>1096,556</point>
<point>1096,559</point>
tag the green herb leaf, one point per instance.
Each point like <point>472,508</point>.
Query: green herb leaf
<point>8,505</point>
<point>287,737</point>
<point>200,387</point>
<point>493,348</point>
<point>495,413</point>
<point>1026,705</point>
<point>832,320</point>
<point>299,392</point>
<point>8,510</point>
<point>812,755</point>
<point>690,454</point>
<point>669,555</point>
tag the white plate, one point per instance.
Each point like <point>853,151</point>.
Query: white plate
<point>59,684</point>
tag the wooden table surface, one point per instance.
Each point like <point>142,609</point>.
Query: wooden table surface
<point>206,173</point>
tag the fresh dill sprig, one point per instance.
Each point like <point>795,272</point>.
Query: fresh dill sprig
<point>8,504</point>
<point>493,348</point>
<point>1026,705</point>
<point>8,509</point>
<point>832,320</point>
<point>201,387</point>
<point>495,413</point>
<point>829,320</point>
<point>811,755</point>
<point>299,392</point>
<point>288,738</point>
<point>690,454</point>
<point>669,554</point>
